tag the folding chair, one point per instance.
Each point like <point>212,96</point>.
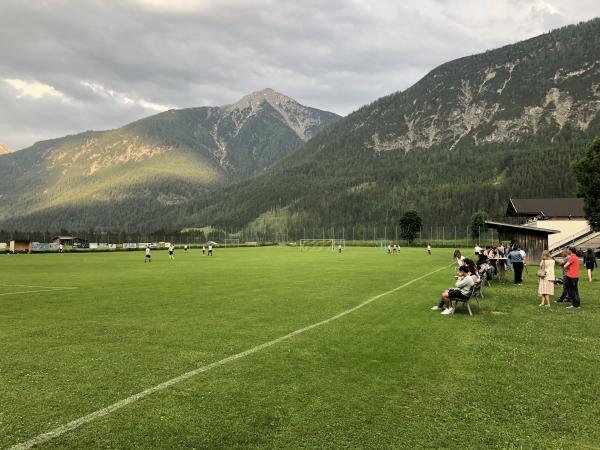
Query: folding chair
<point>473,294</point>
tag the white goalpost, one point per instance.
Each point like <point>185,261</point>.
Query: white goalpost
<point>232,243</point>
<point>331,244</point>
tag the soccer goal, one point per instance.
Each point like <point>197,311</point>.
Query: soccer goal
<point>331,244</point>
<point>381,243</point>
<point>232,243</point>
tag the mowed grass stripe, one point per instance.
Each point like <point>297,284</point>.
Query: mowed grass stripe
<point>45,437</point>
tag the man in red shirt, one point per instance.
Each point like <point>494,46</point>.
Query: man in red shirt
<point>572,277</point>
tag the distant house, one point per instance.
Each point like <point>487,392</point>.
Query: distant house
<point>20,246</point>
<point>564,215</point>
<point>70,241</point>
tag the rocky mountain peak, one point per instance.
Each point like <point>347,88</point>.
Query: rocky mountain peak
<point>5,149</point>
<point>304,121</point>
<point>255,99</point>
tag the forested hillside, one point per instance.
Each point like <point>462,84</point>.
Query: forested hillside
<point>127,178</point>
<point>467,136</point>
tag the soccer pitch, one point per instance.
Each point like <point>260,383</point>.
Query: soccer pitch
<point>81,332</point>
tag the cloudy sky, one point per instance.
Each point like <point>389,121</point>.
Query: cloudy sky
<point>69,66</point>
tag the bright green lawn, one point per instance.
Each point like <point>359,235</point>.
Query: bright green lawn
<point>391,375</point>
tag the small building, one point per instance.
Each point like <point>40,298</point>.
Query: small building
<point>20,246</point>
<point>565,215</point>
<point>70,241</point>
<point>533,240</point>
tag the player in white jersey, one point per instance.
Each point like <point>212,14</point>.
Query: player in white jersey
<point>148,257</point>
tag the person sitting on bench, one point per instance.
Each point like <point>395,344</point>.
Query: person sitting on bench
<point>464,284</point>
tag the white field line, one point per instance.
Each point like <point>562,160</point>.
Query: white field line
<point>39,290</point>
<point>35,286</point>
<point>45,437</point>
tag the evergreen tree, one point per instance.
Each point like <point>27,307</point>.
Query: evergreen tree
<point>587,172</point>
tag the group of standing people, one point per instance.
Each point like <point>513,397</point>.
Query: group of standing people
<point>390,248</point>
<point>171,249</point>
<point>570,266</point>
<point>502,258</point>
<point>514,258</point>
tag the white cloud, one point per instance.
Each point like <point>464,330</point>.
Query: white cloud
<point>33,89</point>
<point>142,56</point>
<point>122,98</point>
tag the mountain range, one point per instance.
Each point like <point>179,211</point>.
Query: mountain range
<point>470,134</point>
<point>467,136</point>
<point>126,177</point>
<point>5,149</point>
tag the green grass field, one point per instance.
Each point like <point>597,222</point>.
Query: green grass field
<point>392,374</point>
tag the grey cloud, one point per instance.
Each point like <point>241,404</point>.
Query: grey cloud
<point>335,55</point>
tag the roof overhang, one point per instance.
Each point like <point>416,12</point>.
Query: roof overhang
<point>500,226</point>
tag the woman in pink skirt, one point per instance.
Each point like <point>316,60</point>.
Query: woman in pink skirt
<point>546,284</point>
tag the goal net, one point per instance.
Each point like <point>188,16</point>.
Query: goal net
<point>381,243</point>
<point>331,244</point>
<point>232,243</point>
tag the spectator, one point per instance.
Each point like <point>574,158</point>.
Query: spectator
<point>564,296</point>
<point>590,263</point>
<point>501,264</point>
<point>572,278</point>
<point>459,258</point>
<point>516,260</point>
<point>546,282</point>
<point>509,249</point>
<point>477,249</point>
<point>462,291</point>
<point>469,268</point>
<point>472,269</point>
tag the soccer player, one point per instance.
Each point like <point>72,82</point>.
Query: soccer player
<point>171,251</point>
<point>203,250</point>
<point>340,248</point>
<point>148,257</point>
<point>429,249</point>
<point>209,249</point>
<point>389,249</point>
<point>185,249</point>
<point>60,248</point>
<point>394,248</point>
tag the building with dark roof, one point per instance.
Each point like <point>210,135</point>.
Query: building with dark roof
<point>546,208</point>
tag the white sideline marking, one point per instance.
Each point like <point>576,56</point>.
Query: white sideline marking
<point>40,290</point>
<point>36,286</point>
<point>45,437</point>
